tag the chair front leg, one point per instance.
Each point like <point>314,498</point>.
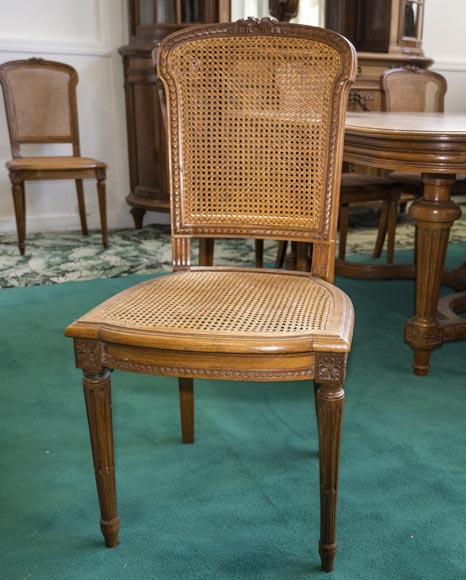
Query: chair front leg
<point>97,394</point>
<point>329,395</point>
<point>329,401</point>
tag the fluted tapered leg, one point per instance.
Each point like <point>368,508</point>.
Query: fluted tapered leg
<point>434,215</point>
<point>97,395</point>
<point>186,391</point>
<point>329,402</point>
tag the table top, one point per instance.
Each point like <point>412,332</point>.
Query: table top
<point>419,142</point>
<point>412,123</point>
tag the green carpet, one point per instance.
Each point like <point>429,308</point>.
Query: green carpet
<point>242,502</point>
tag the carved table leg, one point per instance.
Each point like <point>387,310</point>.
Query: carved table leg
<point>97,395</point>
<point>434,215</point>
<point>186,392</point>
<point>330,373</point>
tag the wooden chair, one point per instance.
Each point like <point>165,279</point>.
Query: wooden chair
<point>40,103</point>
<point>251,156</point>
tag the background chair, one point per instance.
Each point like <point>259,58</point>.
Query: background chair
<point>40,103</point>
<point>255,116</point>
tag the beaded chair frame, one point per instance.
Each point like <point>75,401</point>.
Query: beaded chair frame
<point>301,199</point>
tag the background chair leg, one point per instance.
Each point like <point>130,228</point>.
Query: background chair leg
<point>19,201</point>
<point>206,251</point>
<point>343,223</point>
<point>382,231</point>
<point>281,253</point>
<point>259,251</point>
<point>97,394</point>
<point>329,399</point>
<point>392,221</point>
<point>186,390</point>
<point>81,206</point>
<point>103,210</point>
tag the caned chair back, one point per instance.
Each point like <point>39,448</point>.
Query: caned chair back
<point>413,89</point>
<point>40,102</point>
<point>255,115</point>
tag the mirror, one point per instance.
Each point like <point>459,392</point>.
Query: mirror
<point>307,11</point>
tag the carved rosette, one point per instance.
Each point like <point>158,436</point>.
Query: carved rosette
<point>88,354</point>
<point>423,336</point>
<point>331,368</point>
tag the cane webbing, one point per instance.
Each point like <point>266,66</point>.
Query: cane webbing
<point>254,129</point>
<point>41,103</point>
<point>414,91</point>
<point>232,303</point>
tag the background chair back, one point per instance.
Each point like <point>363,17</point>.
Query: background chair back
<point>255,123</point>
<point>413,89</point>
<point>40,102</point>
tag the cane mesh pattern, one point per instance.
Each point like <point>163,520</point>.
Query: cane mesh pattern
<point>231,303</point>
<point>254,126</point>
<point>40,98</point>
<point>417,92</point>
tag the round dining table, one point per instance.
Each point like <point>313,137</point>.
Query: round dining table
<point>434,145</point>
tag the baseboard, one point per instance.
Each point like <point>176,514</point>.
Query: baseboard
<point>55,223</point>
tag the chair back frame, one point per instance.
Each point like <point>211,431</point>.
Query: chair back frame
<point>69,131</point>
<point>209,126</point>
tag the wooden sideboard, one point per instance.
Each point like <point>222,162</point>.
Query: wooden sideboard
<point>150,21</point>
<point>386,34</point>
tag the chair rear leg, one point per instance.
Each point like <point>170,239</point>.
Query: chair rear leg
<point>97,394</point>
<point>186,392</point>
<point>102,208</point>
<point>259,252</point>
<point>19,201</point>
<point>329,402</point>
<point>81,206</point>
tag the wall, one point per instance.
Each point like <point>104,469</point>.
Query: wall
<point>444,41</point>
<point>87,34</point>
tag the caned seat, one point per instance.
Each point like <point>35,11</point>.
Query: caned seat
<point>41,108</point>
<point>54,163</point>
<point>258,308</point>
<point>255,120</point>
